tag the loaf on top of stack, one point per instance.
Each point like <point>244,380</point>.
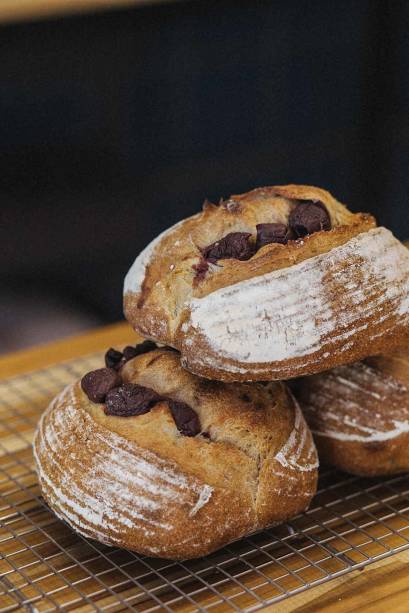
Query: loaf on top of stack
<point>270,285</point>
<point>176,450</point>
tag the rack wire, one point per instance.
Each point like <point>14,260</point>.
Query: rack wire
<point>45,566</point>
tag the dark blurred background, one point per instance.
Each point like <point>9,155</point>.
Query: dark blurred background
<point>113,125</point>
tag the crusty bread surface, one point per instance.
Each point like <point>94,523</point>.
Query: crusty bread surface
<point>330,298</point>
<point>359,414</point>
<point>138,483</point>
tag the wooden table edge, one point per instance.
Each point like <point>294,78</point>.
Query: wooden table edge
<point>40,356</point>
<point>14,11</point>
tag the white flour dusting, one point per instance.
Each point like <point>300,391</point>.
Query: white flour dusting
<point>124,485</point>
<point>203,499</point>
<point>356,403</point>
<point>288,313</point>
<point>298,444</point>
<point>136,274</point>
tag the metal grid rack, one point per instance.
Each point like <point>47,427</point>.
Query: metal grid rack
<point>45,566</point>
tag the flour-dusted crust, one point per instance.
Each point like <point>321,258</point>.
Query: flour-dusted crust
<point>329,299</point>
<point>359,414</point>
<point>136,482</point>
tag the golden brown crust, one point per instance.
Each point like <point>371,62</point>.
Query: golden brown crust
<point>138,483</point>
<point>170,276</point>
<point>359,414</point>
<point>343,282</point>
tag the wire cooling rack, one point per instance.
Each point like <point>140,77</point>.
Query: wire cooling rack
<point>45,566</point>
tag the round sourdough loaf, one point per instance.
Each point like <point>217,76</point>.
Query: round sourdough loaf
<point>137,482</point>
<point>331,289</point>
<point>359,414</point>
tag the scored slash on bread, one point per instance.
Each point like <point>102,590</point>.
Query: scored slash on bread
<point>137,482</point>
<point>329,298</point>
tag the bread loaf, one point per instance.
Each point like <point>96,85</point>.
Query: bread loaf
<point>270,285</point>
<point>234,459</point>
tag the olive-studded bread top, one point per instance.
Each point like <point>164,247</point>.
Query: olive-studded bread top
<point>272,284</point>
<point>244,236</point>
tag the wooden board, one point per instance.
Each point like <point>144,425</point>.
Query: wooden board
<point>66,348</point>
<point>44,564</point>
<point>23,10</point>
